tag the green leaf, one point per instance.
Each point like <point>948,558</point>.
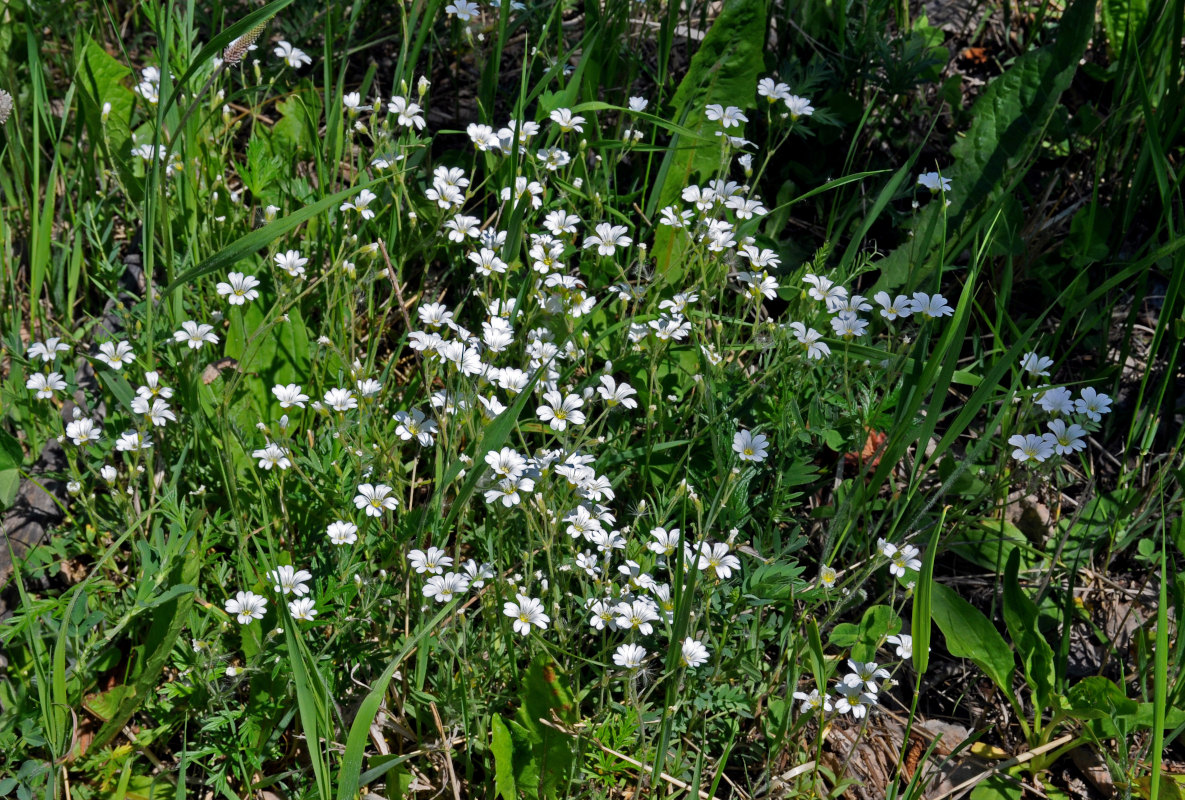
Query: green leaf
<point>545,696</point>
<point>11,459</point>
<point>1121,17</point>
<point>100,79</point>
<point>503,749</point>
<point>296,130</point>
<point>167,623</point>
<point>724,70</point>
<point>1020,615</point>
<point>969,634</point>
<point>351,763</point>
<point>1006,126</point>
<point>998,787</point>
<point>277,353</point>
<point>923,603</point>
<point>256,240</point>
<point>777,581</point>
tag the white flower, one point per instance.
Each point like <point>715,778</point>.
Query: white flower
<point>116,354</point>
<point>238,288</point>
<point>157,410</point>
<point>375,499</point>
<point>930,306</point>
<point>637,104</point>
<point>893,307</point>
<point>302,609</point>
<point>526,611</point>
<point>1030,448</point>
<point>1093,404</point>
<point>442,588</point>
<point>477,574</point>
<point>848,326</point>
<point>341,532</point>
<point>45,384</point>
<point>507,490</point>
<point>608,237</point>
<point>559,410</point>
<point>1035,365</point>
<point>749,447</point>
<point>825,290</point>
<point>195,335</point>
<point>48,350</point>
<point>409,114</point>
<point>852,700</point>
<point>247,606</point>
<point>864,675</point>
<point>152,388</point>
<point>488,262</point>
<point>727,117</point>
<point>433,561</point>
<point>665,542</point>
<point>567,121</point>
<point>83,431</point>
<point>799,107</point>
<point>361,204</point>
<point>614,393</point>
<point>341,400</point>
<point>904,644</point>
<point>290,395</point>
<point>637,615</point>
<point>809,338</point>
<point>289,580</point>
<point>483,137</point>
<point>629,656</point>
<point>1058,400</point>
<point>415,426</point>
<point>132,442</point>
<point>1065,439</point>
<point>272,456</point>
<point>772,90</point>
<point>906,558</point>
<point>694,654</point>
<point>462,10</point>
<point>934,182</point>
<point>812,701</point>
<point>293,56</point>
<point>716,560</point>
<point>560,222</point>
<point>291,262</point>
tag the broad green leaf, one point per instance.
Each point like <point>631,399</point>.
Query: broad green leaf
<point>1007,122</point>
<point>545,696</point>
<point>11,459</point>
<point>1020,615</point>
<point>100,80</point>
<point>998,787</point>
<point>969,634</point>
<point>989,542</point>
<point>503,750</point>
<point>724,70</point>
<point>278,353</point>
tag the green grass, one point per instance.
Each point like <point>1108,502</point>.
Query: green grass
<point>746,572</point>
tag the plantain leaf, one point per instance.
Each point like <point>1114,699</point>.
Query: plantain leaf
<point>969,634</point>
<point>997,150</point>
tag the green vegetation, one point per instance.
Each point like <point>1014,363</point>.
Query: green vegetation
<point>611,400</point>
